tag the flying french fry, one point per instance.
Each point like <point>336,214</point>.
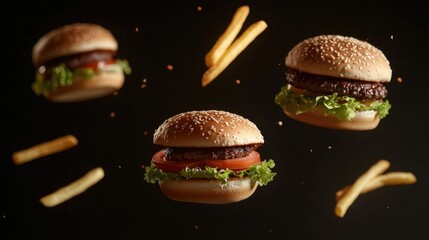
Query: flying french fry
<point>233,51</point>
<point>356,188</point>
<point>388,179</point>
<point>44,149</point>
<point>225,40</point>
<point>73,189</point>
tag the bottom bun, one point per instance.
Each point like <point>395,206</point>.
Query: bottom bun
<point>100,85</point>
<point>364,120</point>
<point>209,191</point>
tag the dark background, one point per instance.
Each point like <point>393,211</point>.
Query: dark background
<point>312,163</point>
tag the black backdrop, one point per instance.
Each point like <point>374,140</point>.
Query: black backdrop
<point>312,163</point>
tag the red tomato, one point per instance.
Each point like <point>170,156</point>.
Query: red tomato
<point>236,163</point>
<point>173,166</point>
<point>97,64</point>
<point>232,164</point>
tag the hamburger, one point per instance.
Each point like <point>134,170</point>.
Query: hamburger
<point>77,62</point>
<point>208,157</point>
<point>336,82</point>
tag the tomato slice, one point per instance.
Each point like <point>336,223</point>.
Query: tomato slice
<point>172,166</point>
<point>160,162</point>
<point>97,64</point>
<point>236,163</point>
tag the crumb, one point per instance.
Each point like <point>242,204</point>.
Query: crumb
<point>144,81</point>
<point>237,81</point>
<point>199,8</point>
<point>196,226</point>
<point>329,147</point>
<point>112,114</point>
<point>399,79</point>
<point>280,123</point>
<point>119,166</point>
<point>136,29</point>
<point>170,67</point>
<point>391,37</point>
<point>311,150</point>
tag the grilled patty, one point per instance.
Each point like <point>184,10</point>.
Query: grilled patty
<point>329,85</point>
<point>220,153</point>
<point>78,60</point>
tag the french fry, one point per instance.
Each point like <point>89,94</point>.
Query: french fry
<point>356,188</point>
<point>225,40</point>
<point>233,51</point>
<point>44,149</point>
<point>73,189</point>
<point>388,179</point>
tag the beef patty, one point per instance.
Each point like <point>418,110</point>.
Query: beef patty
<point>329,85</point>
<point>219,153</point>
<point>78,60</point>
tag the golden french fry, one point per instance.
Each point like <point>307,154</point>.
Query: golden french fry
<point>388,179</point>
<point>73,189</point>
<point>356,188</point>
<point>225,40</point>
<point>233,51</point>
<point>44,149</point>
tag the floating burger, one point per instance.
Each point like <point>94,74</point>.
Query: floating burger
<point>336,82</point>
<point>208,157</point>
<point>77,62</point>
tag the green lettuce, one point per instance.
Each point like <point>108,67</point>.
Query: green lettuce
<point>258,172</point>
<point>343,108</point>
<point>122,63</point>
<point>61,76</point>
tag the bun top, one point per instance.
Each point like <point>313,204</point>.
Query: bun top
<point>210,128</point>
<point>339,56</point>
<point>72,39</point>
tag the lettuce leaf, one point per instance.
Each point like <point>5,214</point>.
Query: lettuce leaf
<point>124,65</point>
<point>260,173</point>
<point>62,76</point>
<point>343,108</point>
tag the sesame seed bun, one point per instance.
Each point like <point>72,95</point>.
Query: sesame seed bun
<point>72,39</point>
<point>339,56</point>
<point>210,128</point>
<point>209,191</point>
